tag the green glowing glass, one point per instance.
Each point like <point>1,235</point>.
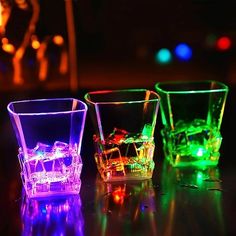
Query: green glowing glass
<point>192,115</point>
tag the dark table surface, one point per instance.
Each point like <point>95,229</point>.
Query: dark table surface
<point>174,202</point>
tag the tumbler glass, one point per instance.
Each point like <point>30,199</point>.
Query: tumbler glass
<point>49,134</point>
<point>124,122</point>
<point>192,113</point>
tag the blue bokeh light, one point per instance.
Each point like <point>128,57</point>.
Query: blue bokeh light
<point>183,52</point>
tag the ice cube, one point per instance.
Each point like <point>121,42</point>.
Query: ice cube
<point>112,153</point>
<point>42,147</point>
<point>117,136</point>
<point>198,122</point>
<point>179,137</point>
<point>57,164</point>
<point>133,138</point>
<point>199,138</point>
<point>58,145</point>
<point>31,154</point>
<point>145,152</point>
<point>180,125</point>
<point>130,139</point>
<point>198,132</point>
<point>147,131</point>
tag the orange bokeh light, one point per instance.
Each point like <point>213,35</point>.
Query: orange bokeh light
<point>35,44</point>
<point>58,40</point>
<point>5,40</point>
<point>7,47</point>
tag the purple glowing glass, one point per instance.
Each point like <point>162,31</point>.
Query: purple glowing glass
<point>52,216</point>
<point>49,134</point>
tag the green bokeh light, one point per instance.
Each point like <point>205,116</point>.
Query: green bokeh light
<point>211,40</point>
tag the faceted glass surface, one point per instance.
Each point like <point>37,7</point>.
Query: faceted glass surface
<point>125,155</point>
<point>124,122</point>
<point>49,134</point>
<point>192,113</point>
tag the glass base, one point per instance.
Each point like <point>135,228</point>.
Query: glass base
<point>186,161</point>
<point>47,174</point>
<point>122,169</point>
<point>52,189</point>
<point>192,144</point>
<point>198,149</point>
<point>201,163</point>
<point>125,178</point>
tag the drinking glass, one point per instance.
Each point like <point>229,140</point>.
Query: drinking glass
<point>124,122</point>
<point>192,113</point>
<point>49,134</point>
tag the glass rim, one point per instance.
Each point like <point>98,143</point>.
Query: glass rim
<point>222,87</point>
<point>87,99</point>
<point>84,109</point>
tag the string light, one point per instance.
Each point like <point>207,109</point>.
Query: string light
<point>0,14</point>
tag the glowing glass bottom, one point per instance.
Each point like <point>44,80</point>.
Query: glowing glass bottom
<point>192,144</point>
<point>50,170</point>
<point>125,157</point>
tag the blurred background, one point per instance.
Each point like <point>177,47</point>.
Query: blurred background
<point>96,44</point>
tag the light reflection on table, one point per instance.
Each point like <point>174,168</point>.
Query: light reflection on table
<point>188,193</point>
<point>126,204</point>
<point>51,216</point>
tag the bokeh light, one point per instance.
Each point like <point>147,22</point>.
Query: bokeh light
<point>223,43</point>
<point>7,47</point>
<point>211,41</point>
<point>183,52</point>
<point>163,56</point>
<point>58,40</point>
<point>34,42</point>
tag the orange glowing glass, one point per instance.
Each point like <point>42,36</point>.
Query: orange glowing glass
<point>124,122</point>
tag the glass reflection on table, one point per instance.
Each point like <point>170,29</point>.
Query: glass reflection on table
<point>125,207</point>
<point>194,194</point>
<point>52,216</point>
